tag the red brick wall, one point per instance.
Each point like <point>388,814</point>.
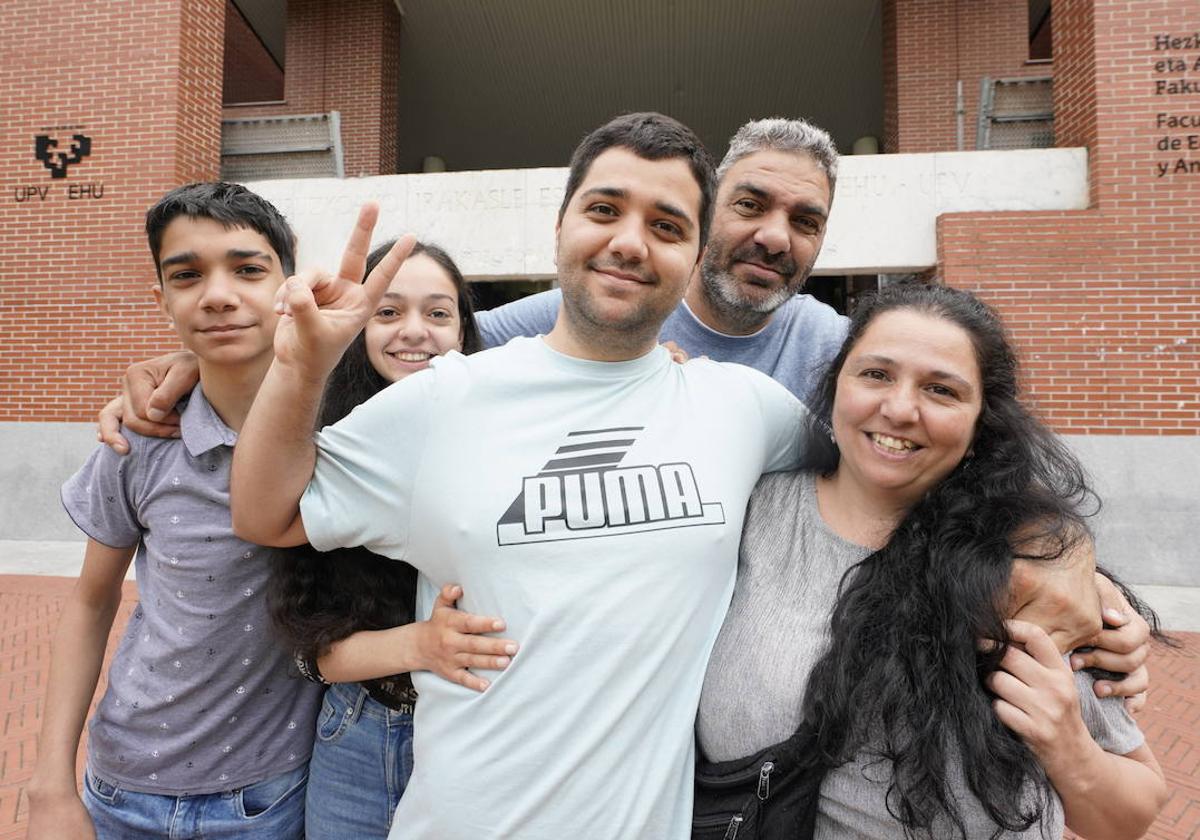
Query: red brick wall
<point>1105,303</point>
<point>143,80</point>
<point>937,42</point>
<point>344,57</point>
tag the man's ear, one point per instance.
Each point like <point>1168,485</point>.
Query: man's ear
<point>557,228</point>
<point>161,301</point>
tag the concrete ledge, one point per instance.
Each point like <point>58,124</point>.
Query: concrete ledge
<point>1178,607</point>
<point>500,223</point>
<point>38,458</point>
<point>1147,527</point>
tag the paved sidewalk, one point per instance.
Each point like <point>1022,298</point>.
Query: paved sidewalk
<point>30,606</point>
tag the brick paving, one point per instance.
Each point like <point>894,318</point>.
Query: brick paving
<point>30,606</point>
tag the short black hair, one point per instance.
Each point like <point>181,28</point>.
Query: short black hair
<point>651,136</point>
<point>231,205</point>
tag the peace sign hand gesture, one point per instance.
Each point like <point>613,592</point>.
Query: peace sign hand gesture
<point>320,314</point>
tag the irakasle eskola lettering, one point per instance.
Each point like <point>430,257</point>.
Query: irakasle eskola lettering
<point>57,149</point>
<point>1176,65</point>
<point>583,492</point>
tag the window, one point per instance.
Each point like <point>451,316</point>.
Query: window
<point>1039,30</point>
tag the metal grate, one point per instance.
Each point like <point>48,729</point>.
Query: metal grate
<point>261,148</point>
<point>1015,114</point>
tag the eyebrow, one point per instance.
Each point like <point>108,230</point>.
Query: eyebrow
<point>233,253</point>
<point>433,296</point>
<point>936,374</point>
<point>758,192</point>
<point>240,254</point>
<point>180,259</point>
<point>661,206</point>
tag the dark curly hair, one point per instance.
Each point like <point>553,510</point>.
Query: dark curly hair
<point>317,598</point>
<point>902,680</point>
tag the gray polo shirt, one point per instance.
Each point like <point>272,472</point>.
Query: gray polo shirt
<point>200,696</point>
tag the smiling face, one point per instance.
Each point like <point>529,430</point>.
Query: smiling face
<point>768,226</point>
<point>416,320</point>
<point>907,402</point>
<point>218,288</point>
<point>626,247</point>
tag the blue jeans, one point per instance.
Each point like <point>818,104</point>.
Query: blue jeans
<point>272,809</point>
<point>361,761</point>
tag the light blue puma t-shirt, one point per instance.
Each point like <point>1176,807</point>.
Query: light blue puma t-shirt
<point>597,507</point>
<point>794,348</point>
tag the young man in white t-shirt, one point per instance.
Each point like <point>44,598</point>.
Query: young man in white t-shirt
<point>581,485</point>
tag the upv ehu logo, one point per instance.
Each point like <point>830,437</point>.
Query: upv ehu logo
<point>46,149</point>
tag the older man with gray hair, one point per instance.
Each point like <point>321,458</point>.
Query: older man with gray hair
<point>773,200</point>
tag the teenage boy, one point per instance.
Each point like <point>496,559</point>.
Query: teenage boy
<point>202,731</point>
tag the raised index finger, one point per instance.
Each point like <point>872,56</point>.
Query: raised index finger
<point>354,258</point>
<point>381,276</point>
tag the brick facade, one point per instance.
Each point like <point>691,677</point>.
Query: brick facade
<point>1105,303</point>
<point>143,82</point>
<point>928,46</point>
<point>343,57</point>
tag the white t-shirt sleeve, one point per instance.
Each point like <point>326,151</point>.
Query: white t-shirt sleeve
<point>795,438</point>
<point>361,491</point>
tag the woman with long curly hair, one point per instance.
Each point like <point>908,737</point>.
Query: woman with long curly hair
<point>945,483</point>
<point>349,614</point>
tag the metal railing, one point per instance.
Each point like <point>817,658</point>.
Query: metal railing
<point>1015,114</point>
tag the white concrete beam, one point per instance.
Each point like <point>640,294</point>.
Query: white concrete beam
<point>500,223</point>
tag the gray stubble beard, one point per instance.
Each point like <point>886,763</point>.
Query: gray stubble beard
<point>721,290</point>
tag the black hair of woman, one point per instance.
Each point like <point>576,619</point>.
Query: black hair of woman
<point>317,598</point>
<point>902,679</point>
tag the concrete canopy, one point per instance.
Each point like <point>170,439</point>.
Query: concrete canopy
<point>517,84</point>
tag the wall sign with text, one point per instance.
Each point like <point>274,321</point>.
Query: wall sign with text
<point>1177,82</point>
<point>58,149</point>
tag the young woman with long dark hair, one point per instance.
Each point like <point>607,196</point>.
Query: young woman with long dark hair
<point>945,481</point>
<point>348,614</point>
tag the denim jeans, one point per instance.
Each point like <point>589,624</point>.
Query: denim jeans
<point>361,761</point>
<point>272,809</point>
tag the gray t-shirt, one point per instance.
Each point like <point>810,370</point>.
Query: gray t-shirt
<point>200,697</point>
<point>778,626</point>
<point>794,348</point>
